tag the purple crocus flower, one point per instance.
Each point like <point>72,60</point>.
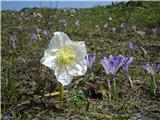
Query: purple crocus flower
<point>77,23</point>
<point>112,64</point>
<point>116,63</point>
<point>13,37</point>
<point>105,62</point>
<point>152,70</point>
<point>90,58</point>
<point>154,30</point>
<point>63,22</point>
<point>45,32</point>
<point>34,37</point>
<point>132,45</point>
<point>122,25</point>
<point>127,62</point>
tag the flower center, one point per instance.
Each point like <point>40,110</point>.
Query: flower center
<point>65,56</point>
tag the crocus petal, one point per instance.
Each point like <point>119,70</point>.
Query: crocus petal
<point>126,64</point>
<point>49,59</point>
<point>148,68</point>
<point>156,68</point>
<point>90,58</point>
<point>63,76</point>
<point>106,65</point>
<point>59,40</point>
<point>128,61</point>
<point>78,69</point>
<point>116,64</point>
<point>110,58</point>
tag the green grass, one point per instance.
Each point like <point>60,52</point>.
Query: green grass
<point>25,80</point>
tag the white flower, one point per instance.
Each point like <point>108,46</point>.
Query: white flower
<point>66,57</point>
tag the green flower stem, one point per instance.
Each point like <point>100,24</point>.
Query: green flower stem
<point>109,84</point>
<point>114,91</point>
<point>153,84</point>
<point>61,92</point>
<point>114,88</point>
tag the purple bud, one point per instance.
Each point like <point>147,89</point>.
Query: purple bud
<point>152,70</point>
<point>13,37</point>
<point>34,37</point>
<point>148,68</point>
<point>133,45</point>
<point>156,68</point>
<point>90,58</point>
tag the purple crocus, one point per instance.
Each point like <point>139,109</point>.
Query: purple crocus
<point>116,63</point>
<point>77,23</point>
<point>105,62</point>
<point>154,30</point>
<point>34,37</point>
<point>132,45</point>
<point>13,37</point>
<point>122,25</point>
<point>90,58</point>
<point>63,22</point>
<point>112,64</point>
<point>127,62</point>
<point>45,32</point>
<point>152,70</point>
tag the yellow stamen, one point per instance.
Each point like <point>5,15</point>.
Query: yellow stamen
<point>65,56</point>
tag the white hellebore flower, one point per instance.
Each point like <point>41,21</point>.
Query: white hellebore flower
<point>65,57</point>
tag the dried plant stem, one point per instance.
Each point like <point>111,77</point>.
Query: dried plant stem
<point>54,94</point>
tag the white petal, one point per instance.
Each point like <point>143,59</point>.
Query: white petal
<point>80,49</point>
<point>49,59</point>
<point>63,76</point>
<point>59,40</point>
<point>78,69</point>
